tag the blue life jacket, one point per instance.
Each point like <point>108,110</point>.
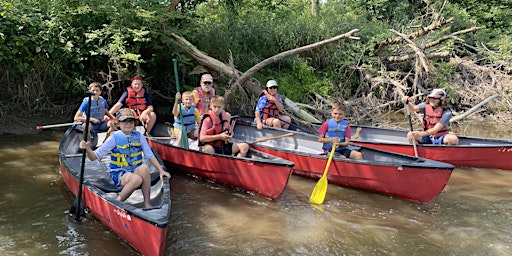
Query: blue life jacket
<point>97,107</point>
<point>335,129</point>
<point>128,151</point>
<point>188,118</point>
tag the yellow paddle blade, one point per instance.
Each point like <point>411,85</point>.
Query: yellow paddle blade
<point>318,194</point>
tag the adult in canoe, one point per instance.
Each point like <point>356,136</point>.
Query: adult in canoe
<point>436,120</point>
<point>268,107</point>
<point>215,131</point>
<point>204,93</point>
<point>128,148</point>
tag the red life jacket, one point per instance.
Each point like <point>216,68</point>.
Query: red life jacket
<point>136,101</point>
<point>431,118</point>
<point>203,105</point>
<point>270,110</point>
<point>220,125</point>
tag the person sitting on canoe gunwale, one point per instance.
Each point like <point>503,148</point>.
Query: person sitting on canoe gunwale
<point>99,115</point>
<point>268,107</point>
<point>190,115</point>
<point>128,147</point>
<point>436,120</point>
<point>215,131</point>
<point>337,130</point>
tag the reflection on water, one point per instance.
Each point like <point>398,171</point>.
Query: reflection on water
<point>471,217</point>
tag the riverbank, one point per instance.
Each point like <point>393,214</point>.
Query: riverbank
<point>13,124</point>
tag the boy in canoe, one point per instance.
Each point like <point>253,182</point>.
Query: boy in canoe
<point>189,114</point>
<point>128,147</point>
<point>215,131</point>
<point>135,97</point>
<point>337,130</point>
<point>99,112</point>
<point>436,120</point>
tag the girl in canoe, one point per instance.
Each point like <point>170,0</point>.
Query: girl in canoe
<point>436,120</point>
<point>337,130</point>
<point>268,107</point>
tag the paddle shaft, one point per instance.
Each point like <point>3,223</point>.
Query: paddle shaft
<point>40,127</point>
<point>410,127</point>
<point>318,194</point>
<point>184,138</point>
<point>274,137</point>
<point>79,208</point>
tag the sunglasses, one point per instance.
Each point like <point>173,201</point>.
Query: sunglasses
<point>273,87</point>
<point>207,82</point>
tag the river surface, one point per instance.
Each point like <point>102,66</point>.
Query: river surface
<point>472,216</point>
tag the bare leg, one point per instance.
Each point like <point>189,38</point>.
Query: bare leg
<point>150,122</point>
<point>143,172</point>
<point>130,181</point>
<point>285,121</point>
<point>240,148</point>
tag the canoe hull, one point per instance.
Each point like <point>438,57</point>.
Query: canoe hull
<point>411,183</point>
<point>399,175</point>
<point>146,231</point>
<point>261,178</point>
<point>471,151</point>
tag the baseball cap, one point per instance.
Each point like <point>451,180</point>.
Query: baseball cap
<point>437,93</point>
<point>271,83</point>
<point>125,113</point>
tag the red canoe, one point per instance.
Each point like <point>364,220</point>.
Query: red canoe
<point>399,175</point>
<point>259,173</point>
<point>470,152</point>
<point>144,229</point>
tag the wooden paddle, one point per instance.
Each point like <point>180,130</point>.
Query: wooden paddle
<point>184,137</point>
<point>410,125</point>
<point>318,194</point>
<point>77,207</point>
<point>273,138</point>
<point>41,127</point>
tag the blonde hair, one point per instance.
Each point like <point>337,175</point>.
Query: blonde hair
<point>218,99</point>
<point>188,94</point>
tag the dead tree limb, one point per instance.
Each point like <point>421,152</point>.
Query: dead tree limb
<point>412,56</point>
<point>473,109</point>
<point>417,34</point>
<point>419,52</point>
<point>285,54</point>
<point>451,36</point>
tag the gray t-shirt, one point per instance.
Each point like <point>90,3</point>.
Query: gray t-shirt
<point>445,119</point>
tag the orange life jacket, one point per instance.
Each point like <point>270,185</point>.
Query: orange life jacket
<point>270,110</point>
<point>220,125</point>
<point>431,118</point>
<point>136,101</point>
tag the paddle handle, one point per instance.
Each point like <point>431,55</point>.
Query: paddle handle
<point>410,127</point>
<point>273,138</point>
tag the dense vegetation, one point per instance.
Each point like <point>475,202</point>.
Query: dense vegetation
<point>50,50</point>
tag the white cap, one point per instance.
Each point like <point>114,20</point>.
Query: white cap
<point>271,83</point>
<point>437,93</point>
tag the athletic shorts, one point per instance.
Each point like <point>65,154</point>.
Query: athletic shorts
<point>432,140</point>
<point>116,174</point>
<point>227,149</point>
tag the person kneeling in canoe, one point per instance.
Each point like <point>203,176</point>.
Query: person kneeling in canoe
<point>215,132</point>
<point>128,148</point>
<point>337,130</point>
<point>436,119</point>
<point>189,116</point>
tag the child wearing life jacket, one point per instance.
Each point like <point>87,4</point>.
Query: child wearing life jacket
<point>136,98</point>
<point>189,114</point>
<point>337,130</point>
<point>436,120</point>
<point>99,112</point>
<point>268,107</point>
<point>215,131</point>
<point>128,148</point>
